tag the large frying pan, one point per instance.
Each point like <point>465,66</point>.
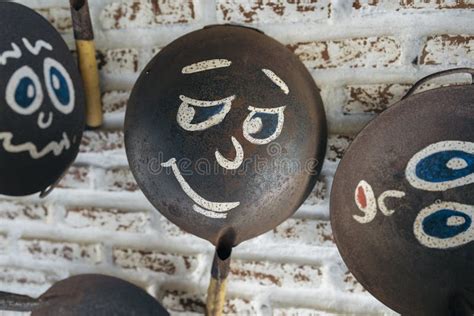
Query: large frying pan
<point>225,133</point>
<point>87,294</point>
<point>402,203</point>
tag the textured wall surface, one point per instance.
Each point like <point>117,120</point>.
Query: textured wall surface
<point>363,54</point>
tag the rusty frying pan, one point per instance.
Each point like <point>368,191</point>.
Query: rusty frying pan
<point>225,133</point>
<point>87,294</point>
<point>41,103</point>
<point>402,207</point>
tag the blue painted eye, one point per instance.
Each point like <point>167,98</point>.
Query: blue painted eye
<point>24,94</point>
<point>445,166</point>
<point>446,223</point>
<point>59,85</point>
<point>442,166</point>
<point>263,125</point>
<point>203,114</point>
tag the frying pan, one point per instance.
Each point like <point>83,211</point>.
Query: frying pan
<point>225,133</point>
<point>402,205</point>
<point>41,103</point>
<point>87,294</point>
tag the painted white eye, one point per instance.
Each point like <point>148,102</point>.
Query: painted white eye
<point>263,125</point>
<point>24,93</point>
<point>197,115</point>
<point>59,86</point>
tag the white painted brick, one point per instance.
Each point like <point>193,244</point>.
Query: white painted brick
<point>367,52</point>
<point>99,141</point>
<point>120,61</point>
<point>55,251</point>
<point>107,219</point>
<point>59,17</point>
<point>115,101</point>
<point>311,232</point>
<point>155,262</point>
<point>12,210</point>
<point>146,13</point>
<point>449,50</point>
<point>274,11</point>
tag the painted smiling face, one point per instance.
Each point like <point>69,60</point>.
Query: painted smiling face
<point>402,207</point>
<point>209,122</point>
<point>41,102</point>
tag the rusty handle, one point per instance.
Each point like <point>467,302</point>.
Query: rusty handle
<point>17,302</point>
<point>216,293</point>
<point>84,35</point>
<point>437,75</point>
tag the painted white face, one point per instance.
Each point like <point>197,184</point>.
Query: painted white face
<point>199,115</point>
<point>26,92</point>
<point>439,167</point>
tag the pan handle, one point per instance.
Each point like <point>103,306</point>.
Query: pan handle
<point>440,74</point>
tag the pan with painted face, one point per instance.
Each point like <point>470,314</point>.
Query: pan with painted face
<point>225,133</point>
<point>402,207</point>
<point>41,102</point>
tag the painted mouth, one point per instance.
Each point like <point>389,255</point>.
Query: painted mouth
<point>202,206</point>
<point>53,147</point>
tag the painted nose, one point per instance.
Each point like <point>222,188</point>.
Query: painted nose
<point>236,162</point>
<point>42,123</point>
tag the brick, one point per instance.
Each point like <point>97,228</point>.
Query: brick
<point>121,61</point>
<point>99,141</point>
<point>319,194</point>
<point>107,219</point>
<point>295,311</point>
<point>337,146</point>
<point>3,243</point>
<point>372,98</point>
<point>365,52</point>
<point>265,273</point>
<point>273,11</point>
<point>169,228</point>
<point>115,101</point>
<point>14,210</point>
<point>57,251</point>
<point>311,232</point>
<point>14,278</point>
<point>179,301</point>
<point>119,179</point>
<point>351,284</point>
<point>448,50</point>
<point>369,6</point>
<point>146,13</point>
<point>153,261</point>
<point>76,178</point>
<point>59,17</point>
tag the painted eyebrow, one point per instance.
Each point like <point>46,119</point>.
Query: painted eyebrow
<point>206,65</point>
<point>36,48</point>
<point>276,80</point>
<point>15,53</point>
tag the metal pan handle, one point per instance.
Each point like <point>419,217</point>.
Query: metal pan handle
<point>440,74</point>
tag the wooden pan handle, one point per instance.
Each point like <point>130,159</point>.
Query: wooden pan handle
<point>84,35</point>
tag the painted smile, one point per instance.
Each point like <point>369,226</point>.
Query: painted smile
<point>53,147</point>
<point>202,206</point>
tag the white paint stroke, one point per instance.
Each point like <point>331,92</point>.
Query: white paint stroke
<point>212,206</point>
<point>370,209</point>
<point>231,164</point>
<point>55,147</point>
<point>41,123</point>
<point>276,80</point>
<point>36,48</point>
<point>206,65</point>
<point>388,194</point>
<point>14,54</point>
<point>208,213</point>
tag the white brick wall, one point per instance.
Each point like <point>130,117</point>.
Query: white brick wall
<point>364,54</point>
